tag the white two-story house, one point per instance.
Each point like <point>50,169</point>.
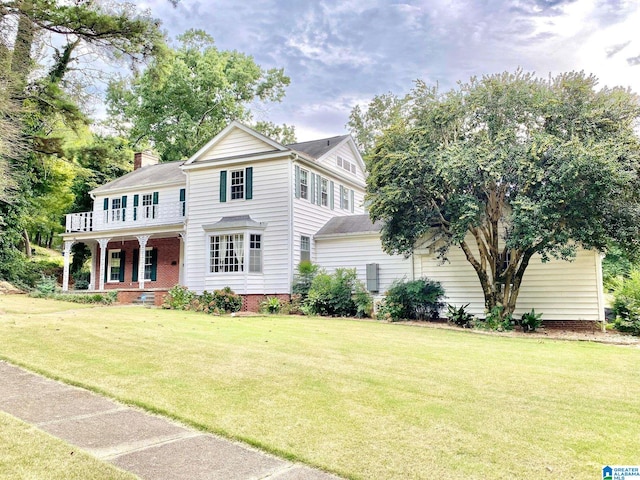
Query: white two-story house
<point>245,210</point>
<point>242,212</point>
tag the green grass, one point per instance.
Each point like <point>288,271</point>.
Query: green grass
<point>362,399</point>
<point>30,454</point>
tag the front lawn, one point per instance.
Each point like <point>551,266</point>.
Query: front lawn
<point>28,453</point>
<point>362,399</point>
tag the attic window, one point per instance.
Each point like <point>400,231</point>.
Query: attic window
<point>346,164</point>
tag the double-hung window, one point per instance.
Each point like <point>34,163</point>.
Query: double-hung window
<point>115,265</point>
<point>148,208</point>
<point>148,263</point>
<point>255,253</point>
<point>324,192</point>
<point>345,198</point>
<point>227,253</point>
<point>304,184</point>
<point>116,209</point>
<point>237,184</point>
<point>305,248</point>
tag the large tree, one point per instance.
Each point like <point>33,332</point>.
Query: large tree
<point>509,166</point>
<point>182,100</point>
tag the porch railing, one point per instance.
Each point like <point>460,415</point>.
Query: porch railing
<point>162,214</point>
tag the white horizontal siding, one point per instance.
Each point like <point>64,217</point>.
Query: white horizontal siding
<point>309,217</point>
<point>356,252</point>
<point>560,290</point>
<point>236,142</point>
<point>345,151</point>
<point>270,204</point>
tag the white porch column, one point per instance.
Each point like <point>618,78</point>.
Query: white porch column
<point>66,253</point>
<point>103,260</point>
<point>142,241</point>
<point>94,266</point>
<point>182,260</point>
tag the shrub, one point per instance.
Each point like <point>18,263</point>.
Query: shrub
<point>495,321</point>
<point>340,294</point>
<point>220,301</point>
<point>106,298</point>
<point>178,298</point>
<point>413,300</point>
<point>303,279</point>
<point>626,303</point>
<point>271,305</point>
<point>46,286</point>
<point>459,316</point>
<point>530,321</point>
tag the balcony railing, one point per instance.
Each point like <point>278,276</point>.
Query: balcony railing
<point>130,217</point>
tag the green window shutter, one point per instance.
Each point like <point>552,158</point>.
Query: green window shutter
<point>106,265</point>
<point>136,261</point>
<point>155,198</point>
<point>121,274</point>
<point>248,194</point>
<point>154,264</point>
<point>106,204</point>
<point>341,196</point>
<point>223,186</point>
<point>136,199</point>
<point>331,194</point>
<point>352,200</point>
<point>297,180</point>
<point>318,189</point>
<point>312,198</point>
<point>182,194</point>
<point>124,207</point>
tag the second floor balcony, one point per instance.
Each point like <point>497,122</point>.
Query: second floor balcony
<point>128,217</point>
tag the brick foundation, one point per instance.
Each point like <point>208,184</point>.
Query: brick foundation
<point>572,325</point>
<point>168,270</point>
<point>251,302</point>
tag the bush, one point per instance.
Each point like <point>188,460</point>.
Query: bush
<point>530,321</point>
<point>413,300</point>
<point>178,298</point>
<point>459,316</point>
<point>46,286</point>
<point>220,301</point>
<point>271,305</point>
<point>303,279</point>
<point>99,298</point>
<point>340,294</point>
<point>626,303</point>
<point>495,321</point>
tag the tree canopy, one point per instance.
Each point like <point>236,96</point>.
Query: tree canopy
<point>182,100</point>
<point>508,166</point>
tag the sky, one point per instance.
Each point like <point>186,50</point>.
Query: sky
<point>339,54</point>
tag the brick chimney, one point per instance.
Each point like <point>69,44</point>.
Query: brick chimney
<point>142,159</point>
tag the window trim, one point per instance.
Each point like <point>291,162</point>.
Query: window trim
<point>308,238</point>
<point>304,174</point>
<point>246,251</point>
<point>243,192</point>
<point>109,266</point>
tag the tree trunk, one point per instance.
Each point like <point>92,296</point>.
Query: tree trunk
<point>27,243</point>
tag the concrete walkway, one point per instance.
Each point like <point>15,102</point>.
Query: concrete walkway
<point>149,446</point>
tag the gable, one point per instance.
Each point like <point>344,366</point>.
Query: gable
<point>345,160</point>
<point>234,141</point>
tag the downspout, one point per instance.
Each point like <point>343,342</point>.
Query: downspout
<point>600,286</point>
<point>294,157</point>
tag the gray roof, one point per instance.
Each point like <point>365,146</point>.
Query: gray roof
<point>236,221</point>
<point>349,225</point>
<point>317,148</point>
<point>150,175</point>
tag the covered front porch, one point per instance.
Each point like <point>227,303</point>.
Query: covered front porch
<point>131,261</point>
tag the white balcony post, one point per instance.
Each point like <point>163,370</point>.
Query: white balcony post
<point>66,256</point>
<point>103,259</point>
<point>142,241</point>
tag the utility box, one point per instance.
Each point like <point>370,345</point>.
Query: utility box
<point>373,277</point>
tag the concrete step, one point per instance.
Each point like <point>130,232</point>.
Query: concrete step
<point>145,298</point>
